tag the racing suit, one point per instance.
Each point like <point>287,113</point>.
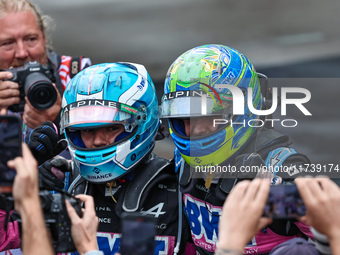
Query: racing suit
<point>204,205</point>
<point>153,190</point>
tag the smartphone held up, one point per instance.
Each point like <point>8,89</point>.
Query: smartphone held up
<point>138,234</point>
<point>10,148</point>
<point>284,202</point>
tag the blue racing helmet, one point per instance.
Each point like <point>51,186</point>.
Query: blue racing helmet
<point>104,95</point>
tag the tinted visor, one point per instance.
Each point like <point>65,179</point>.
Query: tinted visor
<point>91,113</point>
<point>191,103</point>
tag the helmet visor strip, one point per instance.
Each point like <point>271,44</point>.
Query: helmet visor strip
<point>194,103</point>
<point>86,113</point>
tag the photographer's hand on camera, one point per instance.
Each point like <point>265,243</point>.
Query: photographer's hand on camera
<point>33,117</point>
<point>9,91</point>
<point>84,230</point>
<point>52,173</point>
<point>44,142</point>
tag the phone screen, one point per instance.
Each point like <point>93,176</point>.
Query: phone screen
<point>138,235</point>
<point>10,147</point>
<point>284,202</point>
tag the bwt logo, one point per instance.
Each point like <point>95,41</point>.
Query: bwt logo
<point>141,85</point>
<point>238,100</point>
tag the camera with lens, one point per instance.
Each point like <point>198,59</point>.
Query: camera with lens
<point>57,219</point>
<point>35,82</point>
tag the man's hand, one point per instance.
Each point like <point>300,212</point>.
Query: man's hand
<point>9,90</point>
<point>242,214</point>
<point>321,197</point>
<point>52,173</point>
<point>33,117</point>
<point>43,142</point>
<point>84,230</point>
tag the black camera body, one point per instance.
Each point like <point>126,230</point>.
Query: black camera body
<point>57,219</point>
<point>35,82</point>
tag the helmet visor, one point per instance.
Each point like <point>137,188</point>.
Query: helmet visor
<point>87,113</point>
<point>191,103</point>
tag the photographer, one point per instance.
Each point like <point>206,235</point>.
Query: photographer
<point>23,38</point>
<point>35,237</point>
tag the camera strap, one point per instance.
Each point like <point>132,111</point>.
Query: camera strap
<point>7,207</point>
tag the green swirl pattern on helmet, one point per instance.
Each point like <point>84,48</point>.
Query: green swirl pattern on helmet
<point>202,69</point>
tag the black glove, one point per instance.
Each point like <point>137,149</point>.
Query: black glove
<point>52,173</point>
<point>43,142</point>
<point>250,166</point>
